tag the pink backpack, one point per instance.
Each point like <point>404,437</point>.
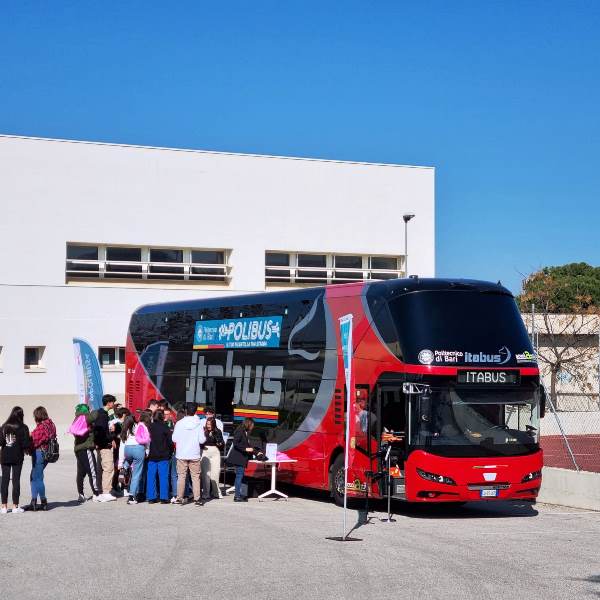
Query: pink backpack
<point>142,435</point>
<point>79,427</point>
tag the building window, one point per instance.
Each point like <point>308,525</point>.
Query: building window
<point>308,262</point>
<point>143,263</point>
<point>165,261</point>
<point>280,260</point>
<point>34,358</point>
<point>383,267</point>
<point>303,268</point>
<point>213,268</point>
<point>82,261</point>
<point>342,264</point>
<point>123,262</point>
<point>111,357</point>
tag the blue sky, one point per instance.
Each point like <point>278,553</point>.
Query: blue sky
<point>501,97</point>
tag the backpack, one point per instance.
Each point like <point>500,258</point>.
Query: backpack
<point>142,435</point>
<point>79,427</point>
<point>51,453</point>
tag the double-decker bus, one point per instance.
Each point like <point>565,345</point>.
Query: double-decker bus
<point>443,375</point>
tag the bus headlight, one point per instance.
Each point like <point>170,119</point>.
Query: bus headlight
<point>436,478</point>
<point>532,476</point>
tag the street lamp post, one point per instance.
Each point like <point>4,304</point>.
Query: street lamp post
<point>406,218</point>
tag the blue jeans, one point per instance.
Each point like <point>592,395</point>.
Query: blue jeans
<point>135,455</point>
<point>239,475</point>
<point>37,475</point>
<point>162,466</point>
<point>173,476</point>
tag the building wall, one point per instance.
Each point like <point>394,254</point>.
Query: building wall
<point>53,192</point>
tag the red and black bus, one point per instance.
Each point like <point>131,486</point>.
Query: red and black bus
<point>444,374</point>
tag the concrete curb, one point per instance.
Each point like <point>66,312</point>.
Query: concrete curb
<point>570,488</point>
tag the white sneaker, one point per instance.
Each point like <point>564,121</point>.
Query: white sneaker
<point>17,509</point>
<point>3,511</point>
<point>97,498</point>
<point>132,500</point>
<point>106,498</point>
<point>173,499</point>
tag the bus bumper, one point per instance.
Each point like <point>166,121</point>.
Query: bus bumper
<point>431,478</point>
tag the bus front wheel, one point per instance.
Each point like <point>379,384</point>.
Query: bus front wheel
<point>337,480</point>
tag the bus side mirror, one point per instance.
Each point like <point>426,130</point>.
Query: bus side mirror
<point>542,402</point>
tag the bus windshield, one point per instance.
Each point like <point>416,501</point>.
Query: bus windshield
<point>458,422</point>
<point>460,327</point>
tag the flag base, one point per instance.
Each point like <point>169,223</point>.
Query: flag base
<point>343,539</point>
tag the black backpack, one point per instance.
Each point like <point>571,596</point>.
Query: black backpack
<point>52,451</point>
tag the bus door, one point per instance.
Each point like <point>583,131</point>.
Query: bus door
<point>221,399</point>
<point>391,433</point>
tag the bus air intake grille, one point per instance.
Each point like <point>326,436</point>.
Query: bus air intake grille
<point>482,486</point>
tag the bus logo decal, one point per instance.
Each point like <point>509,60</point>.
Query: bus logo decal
<point>254,332</point>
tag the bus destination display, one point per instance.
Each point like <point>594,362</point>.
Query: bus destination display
<point>488,377</point>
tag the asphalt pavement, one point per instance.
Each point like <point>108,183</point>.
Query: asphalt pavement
<point>278,550</point>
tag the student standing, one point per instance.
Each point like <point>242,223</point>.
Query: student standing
<point>84,447</point>
<point>135,438</point>
<point>44,431</point>
<point>14,442</point>
<point>211,459</point>
<point>188,436</point>
<point>104,444</point>
<point>239,455</point>
<point>159,456</point>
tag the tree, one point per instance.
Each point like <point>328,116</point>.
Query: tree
<point>572,288</point>
<point>567,308</point>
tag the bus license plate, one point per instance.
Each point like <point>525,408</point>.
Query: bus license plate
<point>488,493</point>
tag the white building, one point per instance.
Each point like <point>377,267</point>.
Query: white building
<point>90,231</point>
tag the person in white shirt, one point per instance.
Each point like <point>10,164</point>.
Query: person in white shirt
<point>209,413</point>
<point>188,435</point>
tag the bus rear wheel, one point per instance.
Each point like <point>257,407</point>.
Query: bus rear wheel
<point>337,480</point>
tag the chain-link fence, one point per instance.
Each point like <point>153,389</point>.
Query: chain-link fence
<point>570,432</point>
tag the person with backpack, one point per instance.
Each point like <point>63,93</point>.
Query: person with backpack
<point>84,447</point>
<point>43,442</point>
<point>159,455</point>
<point>188,436</point>
<point>135,439</point>
<point>14,443</point>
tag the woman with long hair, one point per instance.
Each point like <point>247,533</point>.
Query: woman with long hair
<point>211,459</point>
<point>241,452</point>
<point>14,442</point>
<point>135,439</point>
<point>44,431</point>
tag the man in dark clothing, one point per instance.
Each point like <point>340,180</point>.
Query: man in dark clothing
<point>104,444</point>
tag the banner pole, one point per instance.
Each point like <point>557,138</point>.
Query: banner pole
<point>346,321</point>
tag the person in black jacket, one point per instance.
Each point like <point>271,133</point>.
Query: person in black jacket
<point>104,444</point>
<point>239,455</point>
<point>14,442</point>
<point>159,456</point>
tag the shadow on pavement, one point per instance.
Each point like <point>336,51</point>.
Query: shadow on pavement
<point>471,510</point>
<point>68,504</point>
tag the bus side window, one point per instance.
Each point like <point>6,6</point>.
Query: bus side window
<point>287,420</point>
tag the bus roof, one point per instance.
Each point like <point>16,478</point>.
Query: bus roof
<point>390,287</point>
